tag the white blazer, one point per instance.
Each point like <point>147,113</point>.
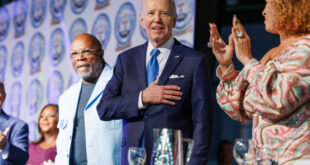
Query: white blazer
<point>103,138</point>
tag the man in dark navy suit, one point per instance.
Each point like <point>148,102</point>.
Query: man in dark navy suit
<point>13,137</point>
<point>160,84</point>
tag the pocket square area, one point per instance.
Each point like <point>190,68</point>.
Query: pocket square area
<point>174,76</point>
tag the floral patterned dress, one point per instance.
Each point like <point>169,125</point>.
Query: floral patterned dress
<point>276,97</point>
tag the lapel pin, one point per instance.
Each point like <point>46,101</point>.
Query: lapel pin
<point>177,56</point>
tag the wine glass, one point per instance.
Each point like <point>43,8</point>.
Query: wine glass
<point>267,156</point>
<point>241,151</point>
<point>136,156</point>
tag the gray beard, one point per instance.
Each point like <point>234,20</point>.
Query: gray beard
<point>88,75</point>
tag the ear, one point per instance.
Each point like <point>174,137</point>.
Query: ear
<point>141,21</point>
<point>175,20</point>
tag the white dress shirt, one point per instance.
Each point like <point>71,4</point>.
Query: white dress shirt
<point>162,58</point>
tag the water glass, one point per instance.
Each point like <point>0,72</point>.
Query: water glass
<point>136,156</point>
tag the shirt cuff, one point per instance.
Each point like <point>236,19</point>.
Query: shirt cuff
<point>140,104</point>
<point>228,74</point>
<point>5,151</point>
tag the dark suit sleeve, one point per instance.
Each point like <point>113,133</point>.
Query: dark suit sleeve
<point>18,149</point>
<point>113,103</point>
<point>202,113</point>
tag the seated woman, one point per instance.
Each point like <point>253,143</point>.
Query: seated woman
<point>275,91</point>
<point>44,149</point>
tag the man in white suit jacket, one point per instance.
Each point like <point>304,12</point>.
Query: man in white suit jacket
<point>83,138</point>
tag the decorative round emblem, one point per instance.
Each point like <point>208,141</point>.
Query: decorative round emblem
<point>184,42</point>
<point>125,25</point>
<point>17,59</point>
<point>74,78</point>
<point>33,130</point>
<point>38,12</point>
<point>34,96</point>
<point>3,59</point>
<point>57,8</point>
<point>78,26</point>
<point>36,52</point>
<point>185,16</point>
<point>4,23</point>
<point>20,15</point>
<point>15,98</point>
<point>143,33</point>
<point>78,6</point>
<point>101,4</point>
<point>55,87</point>
<point>102,29</point>
<point>57,46</point>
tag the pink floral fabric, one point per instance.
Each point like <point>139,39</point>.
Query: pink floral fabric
<point>276,97</point>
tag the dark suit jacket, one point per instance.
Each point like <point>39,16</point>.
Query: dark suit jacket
<point>17,139</point>
<point>193,114</point>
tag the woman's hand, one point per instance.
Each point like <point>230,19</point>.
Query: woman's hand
<point>242,42</point>
<point>222,52</point>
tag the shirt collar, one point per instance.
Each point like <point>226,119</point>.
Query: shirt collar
<point>166,47</point>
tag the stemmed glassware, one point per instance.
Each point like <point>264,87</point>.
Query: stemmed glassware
<point>266,156</point>
<point>136,156</point>
<point>242,151</point>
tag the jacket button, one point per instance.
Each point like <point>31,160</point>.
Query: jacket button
<point>145,116</point>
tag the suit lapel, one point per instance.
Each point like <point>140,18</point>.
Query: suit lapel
<point>140,62</point>
<point>173,61</point>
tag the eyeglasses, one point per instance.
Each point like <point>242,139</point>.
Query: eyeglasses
<point>85,52</point>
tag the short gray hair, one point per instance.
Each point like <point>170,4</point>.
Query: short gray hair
<point>172,5</point>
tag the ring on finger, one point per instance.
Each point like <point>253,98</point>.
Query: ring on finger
<point>209,44</point>
<point>239,34</point>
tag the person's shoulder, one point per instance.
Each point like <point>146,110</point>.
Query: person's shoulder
<point>16,121</point>
<point>68,91</point>
<point>188,51</point>
<point>132,51</point>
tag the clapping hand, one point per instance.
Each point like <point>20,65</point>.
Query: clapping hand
<point>242,42</point>
<point>222,52</point>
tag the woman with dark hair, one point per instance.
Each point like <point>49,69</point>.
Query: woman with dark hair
<point>44,149</point>
<point>275,91</point>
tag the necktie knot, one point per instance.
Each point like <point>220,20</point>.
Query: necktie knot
<point>155,52</point>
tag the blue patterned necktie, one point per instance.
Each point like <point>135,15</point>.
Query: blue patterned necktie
<point>151,73</point>
<point>152,67</point>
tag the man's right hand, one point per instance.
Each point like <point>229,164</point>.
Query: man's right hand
<point>3,136</point>
<point>161,94</point>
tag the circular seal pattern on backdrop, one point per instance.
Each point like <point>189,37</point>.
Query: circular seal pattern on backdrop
<point>3,61</point>
<point>102,29</point>
<point>74,78</point>
<point>101,4</point>
<point>33,129</point>
<point>78,6</point>
<point>57,48</point>
<point>20,16</point>
<point>34,96</point>
<point>4,23</point>
<point>78,26</point>
<point>15,98</point>
<point>55,87</point>
<point>57,9</point>
<point>36,52</point>
<point>38,12</point>
<point>185,16</point>
<point>125,23</point>
<point>17,59</point>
